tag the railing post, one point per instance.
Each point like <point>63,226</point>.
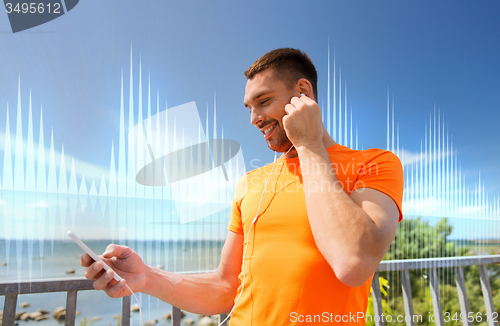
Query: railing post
<point>126,310</point>
<point>377,300</point>
<point>9,309</point>
<point>436,297</point>
<point>488,299</point>
<point>462,295</point>
<point>222,317</point>
<point>176,316</point>
<point>407,297</point>
<point>69,320</point>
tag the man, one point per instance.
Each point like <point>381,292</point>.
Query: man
<point>306,233</point>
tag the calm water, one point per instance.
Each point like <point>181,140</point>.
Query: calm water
<point>32,260</point>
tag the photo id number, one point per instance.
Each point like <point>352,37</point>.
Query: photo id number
<point>33,8</point>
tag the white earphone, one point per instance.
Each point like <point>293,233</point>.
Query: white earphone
<point>268,180</point>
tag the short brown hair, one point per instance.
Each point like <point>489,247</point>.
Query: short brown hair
<point>289,65</point>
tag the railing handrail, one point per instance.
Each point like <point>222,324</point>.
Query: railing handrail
<point>404,264</point>
<point>46,285</point>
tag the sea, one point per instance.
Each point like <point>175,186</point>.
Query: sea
<point>26,260</point>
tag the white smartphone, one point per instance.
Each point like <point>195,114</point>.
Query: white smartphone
<point>91,253</point>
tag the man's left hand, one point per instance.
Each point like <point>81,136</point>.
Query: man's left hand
<point>302,123</point>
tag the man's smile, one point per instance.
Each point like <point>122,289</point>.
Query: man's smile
<point>269,130</point>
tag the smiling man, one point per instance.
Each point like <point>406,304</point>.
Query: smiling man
<point>306,232</point>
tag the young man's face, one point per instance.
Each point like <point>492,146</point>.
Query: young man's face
<point>266,97</point>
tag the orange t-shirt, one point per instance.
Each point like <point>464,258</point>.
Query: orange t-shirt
<point>287,280</point>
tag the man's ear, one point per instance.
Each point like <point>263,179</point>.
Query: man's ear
<point>303,86</point>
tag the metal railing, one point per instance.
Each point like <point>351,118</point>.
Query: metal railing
<point>72,286</point>
<point>11,290</point>
<point>404,266</point>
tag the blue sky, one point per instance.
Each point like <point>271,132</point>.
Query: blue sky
<point>429,54</point>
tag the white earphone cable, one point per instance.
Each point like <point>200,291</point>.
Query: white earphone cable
<point>137,300</point>
<point>268,180</point>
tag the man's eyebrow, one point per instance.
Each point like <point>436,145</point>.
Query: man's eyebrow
<point>260,94</point>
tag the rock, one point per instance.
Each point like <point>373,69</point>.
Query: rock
<point>33,315</point>
<point>95,319</point>
<point>151,322</point>
<point>25,317</point>
<point>59,313</point>
<point>207,321</point>
<point>168,316</point>
<point>77,313</point>
<point>42,317</point>
<point>24,304</point>
<point>134,308</point>
<point>19,314</point>
<point>189,321</point>
<point>70,271</point>
<point>214,317</point>
<point>4,263</point>
<point>43,312</point>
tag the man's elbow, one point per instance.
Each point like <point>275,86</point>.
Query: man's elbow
<point>355,272</point>
<point>232,284</point>
<point>221,304</point>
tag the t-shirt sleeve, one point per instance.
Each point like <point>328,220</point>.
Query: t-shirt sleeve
<point>235,221</point>
<point>384,173</point>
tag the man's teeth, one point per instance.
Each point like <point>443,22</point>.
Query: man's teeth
<point>268,130</point>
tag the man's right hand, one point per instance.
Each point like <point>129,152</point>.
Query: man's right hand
<point>125,262</point>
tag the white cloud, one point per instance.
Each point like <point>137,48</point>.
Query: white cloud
<point>38,204</point>
<point>441,207</point>
<point>408,157</point>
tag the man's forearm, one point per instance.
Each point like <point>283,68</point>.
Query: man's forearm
<point>206,294</point>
